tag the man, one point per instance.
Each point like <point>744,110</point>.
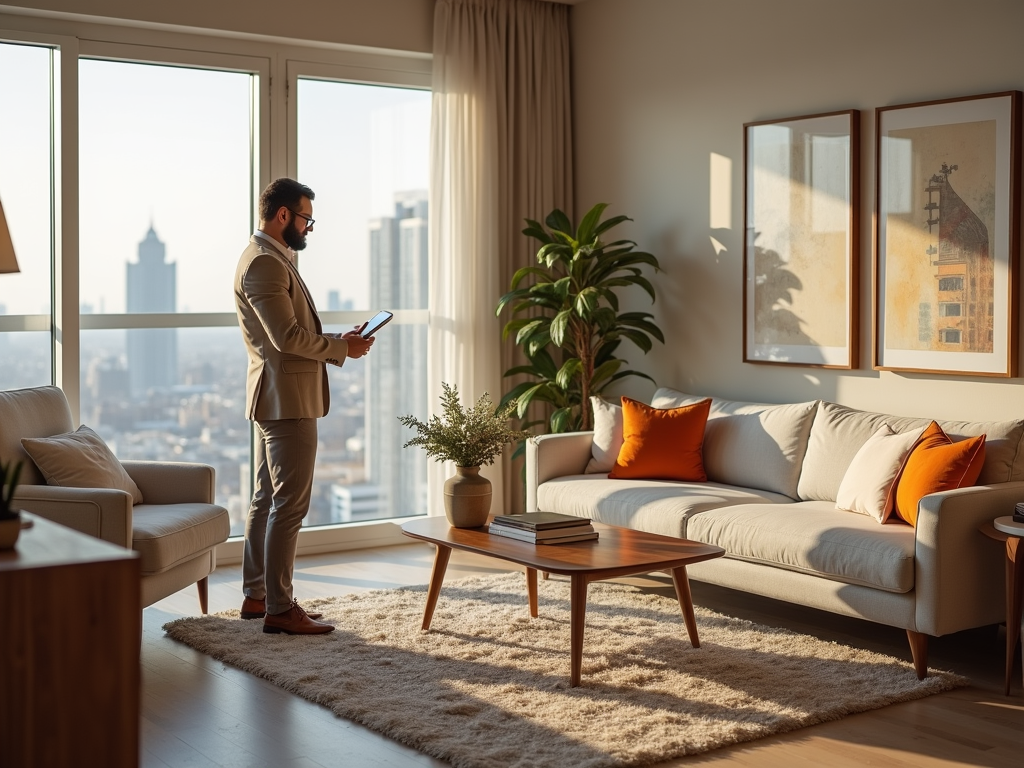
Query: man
<point>286,392</point>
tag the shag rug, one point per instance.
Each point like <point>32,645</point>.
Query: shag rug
<point>488,687</point>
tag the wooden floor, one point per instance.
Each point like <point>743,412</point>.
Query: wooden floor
<point>199,712</point>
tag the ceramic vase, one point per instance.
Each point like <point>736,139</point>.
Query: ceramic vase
<point>9,532</point>
<point>467,498</point>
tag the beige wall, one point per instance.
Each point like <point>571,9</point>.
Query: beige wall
<point>405,25</point>
<point>660,85</point>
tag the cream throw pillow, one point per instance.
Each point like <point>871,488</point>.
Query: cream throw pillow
<point>80,459</point>
<point>869,485</point>
<point>607,436</point>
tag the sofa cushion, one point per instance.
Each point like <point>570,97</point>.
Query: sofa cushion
<point>838,432</point>
<point>813,537</point>
<point>752,445</point>
<point>661,443</point>
<point>655,506</point>
<point>167,534</point>
<point>937,464</point>
<point>869,485</point>
<point>607,438</point>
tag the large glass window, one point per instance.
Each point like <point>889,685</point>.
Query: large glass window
<point>27,134</point>
<point>364,151</point>
<point>167,164</point>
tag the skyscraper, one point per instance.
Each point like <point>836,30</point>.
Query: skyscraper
<point>397,367</point>
<point>152,287</point>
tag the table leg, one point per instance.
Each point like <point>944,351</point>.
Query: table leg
<point>1014,596</point>
<point>682,584</point>
<point>577,620</point>
<point>531,590</point>
<point>436,577</point>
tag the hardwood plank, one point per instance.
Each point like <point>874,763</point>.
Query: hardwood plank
<point>185,690</point>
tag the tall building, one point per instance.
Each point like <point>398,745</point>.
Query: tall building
<point>397,368</point>
<point>152,287</point>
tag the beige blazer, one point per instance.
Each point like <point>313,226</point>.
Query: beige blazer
<point>288,353</point>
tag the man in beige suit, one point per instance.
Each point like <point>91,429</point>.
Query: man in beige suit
<point>286,392</point>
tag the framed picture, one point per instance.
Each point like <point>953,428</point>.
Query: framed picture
<point>800,252</point>
<point>947,236</point>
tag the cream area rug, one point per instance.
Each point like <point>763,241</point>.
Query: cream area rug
<point>488,687</point>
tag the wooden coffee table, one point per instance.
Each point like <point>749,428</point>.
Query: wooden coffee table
<point>617,552</point>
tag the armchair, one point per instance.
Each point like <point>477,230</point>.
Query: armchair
<point>175,530</point>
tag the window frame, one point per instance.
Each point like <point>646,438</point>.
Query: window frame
<point>278,64</point>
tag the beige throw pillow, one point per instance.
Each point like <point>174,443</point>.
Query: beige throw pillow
<point>80,459</point>
<point>868,487</point>
<point>607,436</point>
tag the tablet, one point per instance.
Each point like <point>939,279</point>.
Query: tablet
<point>375,323</point>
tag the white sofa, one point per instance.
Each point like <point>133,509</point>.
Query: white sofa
<point>773,476</point>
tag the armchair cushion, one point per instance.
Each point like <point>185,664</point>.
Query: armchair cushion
<point>165,535</point>
<point>80,459</point>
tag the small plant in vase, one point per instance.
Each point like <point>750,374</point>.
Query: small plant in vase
<point>10,515</point>
<point>470,437</point>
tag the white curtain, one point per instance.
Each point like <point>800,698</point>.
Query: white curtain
<point>500,152</point>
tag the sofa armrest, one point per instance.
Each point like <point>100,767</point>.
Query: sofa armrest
<point>172,482</point>
<point>101,512</point>
<point>549,456</point>
<point>959,572</point>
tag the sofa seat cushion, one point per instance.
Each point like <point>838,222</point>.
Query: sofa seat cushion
<point>813,537</point>
<point>655,506</point>
<point>167,534</point>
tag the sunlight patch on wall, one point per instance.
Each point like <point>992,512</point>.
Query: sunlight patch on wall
<point>720,198</point>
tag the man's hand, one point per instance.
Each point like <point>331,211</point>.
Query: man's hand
<point>357,345</point>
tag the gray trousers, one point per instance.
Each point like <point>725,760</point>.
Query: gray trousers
<point>284,455</point>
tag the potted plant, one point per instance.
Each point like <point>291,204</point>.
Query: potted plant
<point>571,326</point>
<point>470,437</point>
<point>10,516</point>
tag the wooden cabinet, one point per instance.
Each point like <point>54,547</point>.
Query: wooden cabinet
<point>70,638</point>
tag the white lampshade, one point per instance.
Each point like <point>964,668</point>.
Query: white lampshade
<point>7,261</point>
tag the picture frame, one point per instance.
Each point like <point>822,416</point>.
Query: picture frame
<point>801,211</point>
<point>947,236</point>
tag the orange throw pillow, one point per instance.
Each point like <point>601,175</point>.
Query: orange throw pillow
<point>662,444</point>
<point>937,464</point>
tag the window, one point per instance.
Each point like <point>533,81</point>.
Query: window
<point>951,283</point>
<point>949,336</point>
<point>166,168</point>
<point>364,150</point>
<point>947,309</point>
<point>26,190</point>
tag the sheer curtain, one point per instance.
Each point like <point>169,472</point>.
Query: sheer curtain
<point>501,151</point>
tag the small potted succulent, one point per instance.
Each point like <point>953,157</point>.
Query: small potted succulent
<point>469,437</point>
<point>10,515</point>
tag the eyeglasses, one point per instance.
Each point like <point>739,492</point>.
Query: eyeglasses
<point>309,221</point>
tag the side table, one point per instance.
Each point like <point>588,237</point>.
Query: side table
<point>70,638</point>
<point>1005,529</point>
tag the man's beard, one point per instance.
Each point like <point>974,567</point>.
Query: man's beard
<point>292,237</point>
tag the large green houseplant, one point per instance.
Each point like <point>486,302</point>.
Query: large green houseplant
<point>568,322</point>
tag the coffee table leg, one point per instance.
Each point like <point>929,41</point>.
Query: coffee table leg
<point>577,620</point>
<point>531,590</point>
<point>436,577</point>
<point>682,583</point>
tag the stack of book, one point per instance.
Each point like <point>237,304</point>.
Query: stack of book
<point>1018,512</point>
<point>543,528</point>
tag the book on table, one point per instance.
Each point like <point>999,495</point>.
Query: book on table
<point>540,521</point>
<point>558,536</point>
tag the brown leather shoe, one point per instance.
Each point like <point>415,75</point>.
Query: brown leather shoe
<point>256,608</point>
<point>294,621</point>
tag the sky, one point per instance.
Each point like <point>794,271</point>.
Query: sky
<point>169,147</point>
